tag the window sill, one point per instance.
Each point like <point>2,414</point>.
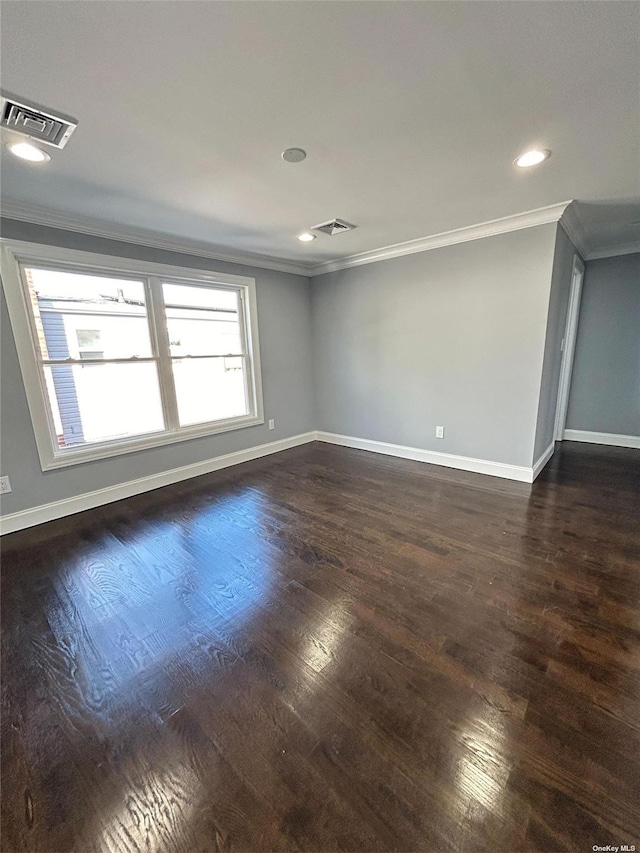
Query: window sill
<point>107,450</point>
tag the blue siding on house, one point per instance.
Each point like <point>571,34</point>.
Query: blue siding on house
<point>63,380</point>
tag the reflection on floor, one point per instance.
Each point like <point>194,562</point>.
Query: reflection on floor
<point>330,650</point>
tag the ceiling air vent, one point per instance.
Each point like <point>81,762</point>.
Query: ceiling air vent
<point>34,121</point>
<point>335,226</point>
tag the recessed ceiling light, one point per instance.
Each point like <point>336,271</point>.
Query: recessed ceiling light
<point>306,237</point>
<point>294,155</point>
<point>27,151</point>
<point>532,158</point>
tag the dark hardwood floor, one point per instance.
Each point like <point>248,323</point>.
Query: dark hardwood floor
<point>330,650</point>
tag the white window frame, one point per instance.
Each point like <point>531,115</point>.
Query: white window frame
<point>17,253</point>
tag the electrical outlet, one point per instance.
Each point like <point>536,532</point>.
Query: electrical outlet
<point>439,432</point>
<point>5,485</point>
<point>272,424</point>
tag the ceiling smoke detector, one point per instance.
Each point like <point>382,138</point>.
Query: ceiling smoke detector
<point>294,155</point>
<point>334,226</point>
<point>35,121</point>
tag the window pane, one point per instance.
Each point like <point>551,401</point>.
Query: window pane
<point>88,337</point>
<point>202,320</point>
<point>98,402</point>
<point>209,389</point>
<point>75,313</point>
<point>199,296</point>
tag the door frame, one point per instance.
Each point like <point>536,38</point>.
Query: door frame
<point>568,347</point>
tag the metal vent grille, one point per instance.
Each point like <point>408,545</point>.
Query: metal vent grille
<point>335,226</point>
<point>36,122</point>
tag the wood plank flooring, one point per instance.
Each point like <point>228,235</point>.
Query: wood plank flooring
<point>329,650</point>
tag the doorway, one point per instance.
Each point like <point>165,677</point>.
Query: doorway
<point>568,348</point>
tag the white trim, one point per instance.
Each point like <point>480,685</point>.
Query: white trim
<point>542,461</point>
<point>89,500</point>
<point>569,350</point>
<point>448,460</point>
<point>602,438</point>
<point>37,215</point>
<point>14,252</point>
<point>529,219</point>
<point>107,450</point>
<point>564,213</point>
<point>574,229</point>
<point>615,251</point>
<point>76,258</point>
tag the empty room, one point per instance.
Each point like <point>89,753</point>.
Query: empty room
<point>320,426</point>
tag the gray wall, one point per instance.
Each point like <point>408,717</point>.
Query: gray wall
<point>605,387</point>
<point>467,336</point>
<point>285,332</point>
<point>556,325</point>
<point>453,336</point>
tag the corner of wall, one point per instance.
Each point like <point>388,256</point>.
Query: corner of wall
<point>557,304</point>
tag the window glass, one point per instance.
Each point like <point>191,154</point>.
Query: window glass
<point>74,312</point>
<point>202,321</point>
<point>102,402</point>
<point>209,389</point>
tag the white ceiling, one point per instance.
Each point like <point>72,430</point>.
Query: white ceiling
<point>411,114</point>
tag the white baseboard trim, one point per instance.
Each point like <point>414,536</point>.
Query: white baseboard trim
<point>79,503</point>
<point>601,438</point>
<point>89,500</point>
<point>448,460</point>
<point>542,461</point>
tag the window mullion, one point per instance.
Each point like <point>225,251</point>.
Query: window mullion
<point>160,344</point>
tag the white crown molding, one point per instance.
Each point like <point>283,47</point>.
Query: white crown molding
<point>574,229</point>
<point>564,213</point>
<point>37,215</point>
<point>529,219</point>
<point>614,251</point>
